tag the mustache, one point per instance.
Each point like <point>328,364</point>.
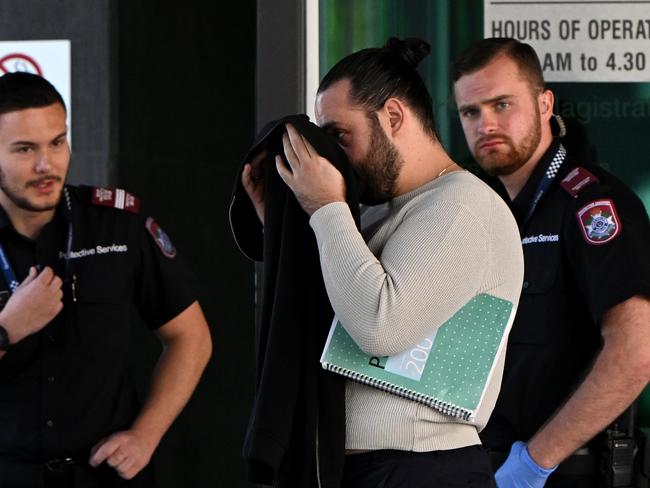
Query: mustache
<point>42,179</point>
<point>491,138</point>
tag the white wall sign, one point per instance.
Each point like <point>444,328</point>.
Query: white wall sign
<point>50,59</point>
<point>578,40</point>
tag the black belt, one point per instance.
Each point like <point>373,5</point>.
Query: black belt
<point>66,472</point>
<point>15,473</point>
<point>576,464</point>
<point>53,465</point>
<point>59,466</point>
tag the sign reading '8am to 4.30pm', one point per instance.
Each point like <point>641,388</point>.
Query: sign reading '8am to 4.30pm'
<point>582,40</point>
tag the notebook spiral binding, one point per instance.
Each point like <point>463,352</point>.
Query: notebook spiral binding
<point>443,407</point>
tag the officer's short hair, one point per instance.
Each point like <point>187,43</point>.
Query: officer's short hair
<point>20,91</point>
<point>480,54</point>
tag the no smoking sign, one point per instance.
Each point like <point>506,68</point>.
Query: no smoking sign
<point>19,62</point>
<point>49,59</point>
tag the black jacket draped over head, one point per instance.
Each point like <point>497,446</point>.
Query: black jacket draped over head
<point>298,417</point>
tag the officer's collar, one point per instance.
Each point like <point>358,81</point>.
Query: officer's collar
<point>523,199</point>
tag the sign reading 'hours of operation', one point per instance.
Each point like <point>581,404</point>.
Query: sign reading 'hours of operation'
<point>580,40</point>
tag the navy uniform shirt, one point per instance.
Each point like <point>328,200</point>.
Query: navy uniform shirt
<point>66,387</point>
<point>586,249</point>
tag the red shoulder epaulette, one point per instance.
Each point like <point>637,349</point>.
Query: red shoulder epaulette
<point>577,180</point>
<point>115,198</point>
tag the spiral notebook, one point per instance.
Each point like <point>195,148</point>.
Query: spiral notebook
<point>448,371</point>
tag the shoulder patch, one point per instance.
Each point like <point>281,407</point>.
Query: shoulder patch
<point>115,198</point>
<point>161,238</point>
<point>599,221</point>
<point>577,180</point>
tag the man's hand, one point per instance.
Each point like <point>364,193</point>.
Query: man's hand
<point>520,471</point>
<point>126,452</point>
<point>313,179</point>
<point>252,179</point>
<point>33,305</point>
<point>618,375</point>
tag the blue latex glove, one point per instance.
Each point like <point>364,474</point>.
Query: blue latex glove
<point>520,471</point>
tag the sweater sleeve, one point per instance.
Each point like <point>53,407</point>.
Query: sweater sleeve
<point>432,264</point>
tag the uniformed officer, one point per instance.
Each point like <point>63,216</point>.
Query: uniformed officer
<point>76,263</point>
<point>579,352</point>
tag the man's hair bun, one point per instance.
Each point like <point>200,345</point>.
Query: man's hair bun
<point>412,50</point>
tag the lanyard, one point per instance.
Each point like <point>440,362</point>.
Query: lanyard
<point>7,270</point>
<point>545,184</point>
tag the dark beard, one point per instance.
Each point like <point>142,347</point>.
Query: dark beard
<point>500,164</point>
<point>22,202</point>
<point>379,169</point>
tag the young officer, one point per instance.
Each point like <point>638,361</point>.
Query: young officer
<point>579,351</point>
<point>76,262</point>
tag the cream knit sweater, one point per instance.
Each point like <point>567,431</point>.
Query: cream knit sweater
<point>419,259</point>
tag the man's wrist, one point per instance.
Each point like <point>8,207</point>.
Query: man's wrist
<point>313,207</point>
<point>149,433</point>
<point>536,456</point>
<point>5,340</point>
<point>8,321</point>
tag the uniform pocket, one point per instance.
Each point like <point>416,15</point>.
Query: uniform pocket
<point>541,278</point>
<point>542,262</point>
<point>103,279</point>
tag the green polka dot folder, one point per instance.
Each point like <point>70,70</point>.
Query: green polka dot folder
<point>448,370</point>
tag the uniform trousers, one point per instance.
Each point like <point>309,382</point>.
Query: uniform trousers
<point>467,467</point>
<point>572,481</point>
<point>78,475</point>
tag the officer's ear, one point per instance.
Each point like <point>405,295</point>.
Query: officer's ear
<point>545,102</point>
